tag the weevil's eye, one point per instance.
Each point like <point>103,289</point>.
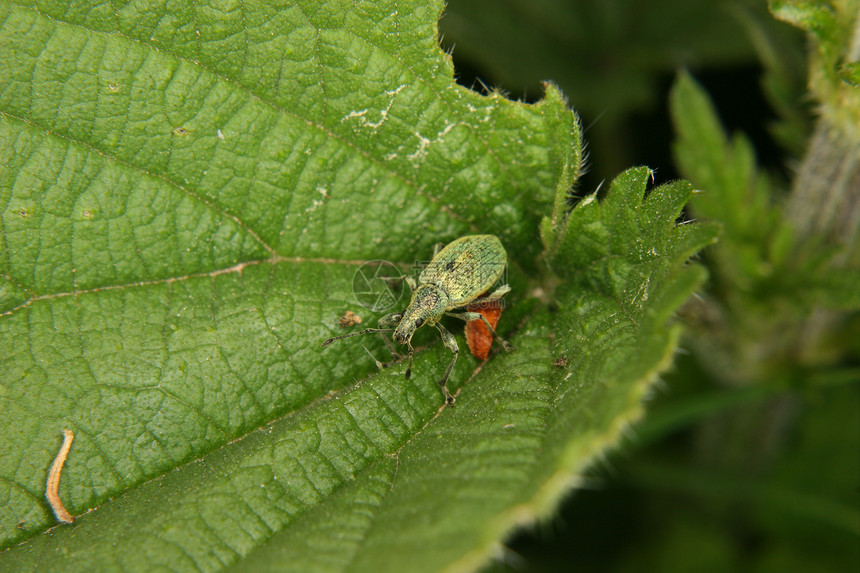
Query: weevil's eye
<point>419,322</point>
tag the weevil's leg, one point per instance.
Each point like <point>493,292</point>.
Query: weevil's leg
<point>496,294</point>
<point>470,316</point>
<point>390,347</point>
<point>365,331</point>
<point>409,365</point>
<point>451,344</point>
<point>389,322</point>
<point>436,248</point>
<point>392,281</point>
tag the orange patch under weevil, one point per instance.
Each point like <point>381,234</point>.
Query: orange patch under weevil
<point>478,336</point>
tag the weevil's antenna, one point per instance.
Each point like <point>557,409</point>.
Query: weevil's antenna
<point>365,331</point>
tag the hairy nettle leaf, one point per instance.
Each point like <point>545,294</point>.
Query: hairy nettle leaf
<point>187,192</point>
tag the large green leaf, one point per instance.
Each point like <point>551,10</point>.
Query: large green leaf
<point>188,192</point>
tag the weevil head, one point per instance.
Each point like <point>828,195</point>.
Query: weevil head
<point>429,303</point>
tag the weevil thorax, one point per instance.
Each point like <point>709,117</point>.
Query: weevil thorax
<point>427,307</point>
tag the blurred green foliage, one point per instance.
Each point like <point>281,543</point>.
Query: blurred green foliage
<point>748,460</point>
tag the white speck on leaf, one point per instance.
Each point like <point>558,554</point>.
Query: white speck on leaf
<point>421,152</point>
<point>361,116</point>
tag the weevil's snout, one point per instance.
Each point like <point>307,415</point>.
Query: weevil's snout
<point>401,336</point>
<point>428,305</point>
<point>407,327</point>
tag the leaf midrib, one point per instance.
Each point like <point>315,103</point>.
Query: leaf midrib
<point>237,268</point>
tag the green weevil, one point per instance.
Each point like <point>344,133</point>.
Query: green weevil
<point>459,274</point>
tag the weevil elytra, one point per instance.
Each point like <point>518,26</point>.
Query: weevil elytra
<point>458,275</point>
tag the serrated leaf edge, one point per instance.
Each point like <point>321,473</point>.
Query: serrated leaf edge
<point>567,477</point>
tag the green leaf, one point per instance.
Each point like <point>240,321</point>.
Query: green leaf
<point>760,253</point>
<point>815,16</point>
<point>188,195</point>
<point>725,169</point>
<point>628,244</point>
<point>850,73</point>
<point>732,192</point>
<point>832,26</point>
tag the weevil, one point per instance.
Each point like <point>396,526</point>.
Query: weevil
<point>458,275</point>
